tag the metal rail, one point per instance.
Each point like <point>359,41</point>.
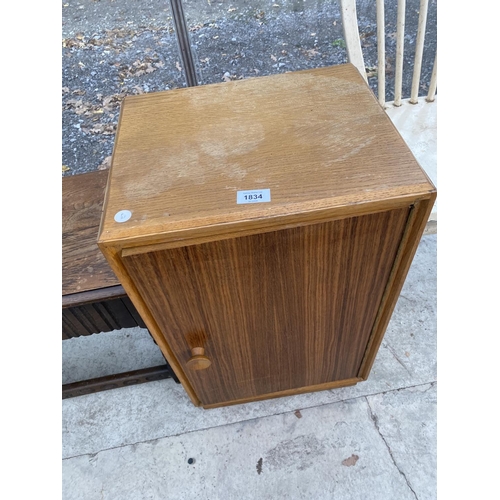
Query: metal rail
<point>182,33</point>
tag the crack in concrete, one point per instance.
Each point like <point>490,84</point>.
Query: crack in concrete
<point>431,385</point>
<point>393,352</point>
<point>404,297</point>
<point>375,423</point>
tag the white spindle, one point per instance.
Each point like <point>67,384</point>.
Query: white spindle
<point>381,51</point>
<point>432,86</point>
<point>419,50</point>
<point>400,35</point>
<point>351,35</point>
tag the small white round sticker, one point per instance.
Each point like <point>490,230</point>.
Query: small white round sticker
<point>123,215</point>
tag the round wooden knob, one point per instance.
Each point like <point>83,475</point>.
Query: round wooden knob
<point>198,360</point>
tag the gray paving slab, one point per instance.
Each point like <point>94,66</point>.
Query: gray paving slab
<point>406,420</point>
<point>139,413</point>
<point>331,451</point>
<point>159,409</point>
<point>108,353</point>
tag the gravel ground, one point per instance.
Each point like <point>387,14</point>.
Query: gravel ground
<point>113,48</point>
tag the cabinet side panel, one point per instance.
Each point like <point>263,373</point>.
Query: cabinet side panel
<point>276,311</point>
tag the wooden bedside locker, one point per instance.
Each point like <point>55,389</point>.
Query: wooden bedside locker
<point>263,229</point>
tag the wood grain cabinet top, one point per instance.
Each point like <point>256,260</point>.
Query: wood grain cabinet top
<point>263,229</point>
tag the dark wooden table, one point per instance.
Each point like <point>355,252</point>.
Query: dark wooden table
<point>93,301</point>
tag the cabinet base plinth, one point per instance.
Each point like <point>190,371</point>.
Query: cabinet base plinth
<point>291,392</point>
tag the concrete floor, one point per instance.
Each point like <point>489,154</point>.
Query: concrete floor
<point>376,440</point>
